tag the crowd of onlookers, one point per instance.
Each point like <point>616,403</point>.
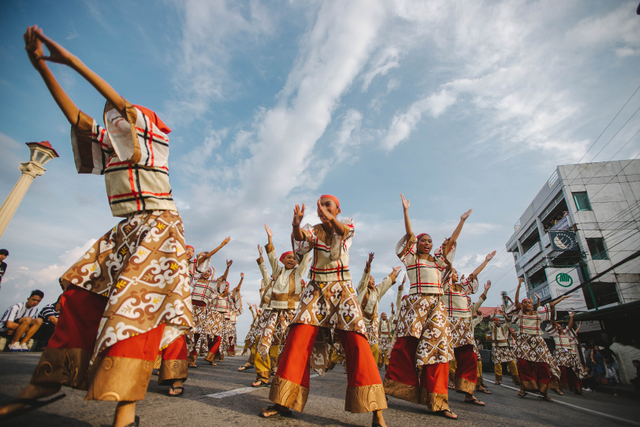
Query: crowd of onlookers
<point>613,364</point>
<point>23,322</point>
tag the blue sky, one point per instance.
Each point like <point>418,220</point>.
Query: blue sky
<point>458,105</point>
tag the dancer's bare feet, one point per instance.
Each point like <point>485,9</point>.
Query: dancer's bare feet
<point>30,392</point>
<point>125,414</point>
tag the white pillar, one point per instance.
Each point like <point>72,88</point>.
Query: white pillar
<point>29,171</point>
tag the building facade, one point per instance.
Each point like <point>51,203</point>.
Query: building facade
<point>584,222</point>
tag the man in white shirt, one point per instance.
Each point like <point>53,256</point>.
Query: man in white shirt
<point>22,319</point>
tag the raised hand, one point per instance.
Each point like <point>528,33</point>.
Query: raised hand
<point>324,213</point>
<point>33,46</point>
<point>465,215</point>
<point>487,286</point>
<point>392,306</point>
<point>229,262</point>
<point>268,230</point>
<point>56,52</point>
<point>396,270</point>
<point>490,256</point>
<point>225,241</point>
<point>571,314</point>
<point>242,275</point>
<point>405,202</point>
<point>260,250</point>
<point>298,214</point>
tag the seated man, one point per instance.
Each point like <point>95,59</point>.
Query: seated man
<point>49,315</point>
<point>21,319</point>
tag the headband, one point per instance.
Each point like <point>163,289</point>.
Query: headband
<point>284,254</point>
<point>420,235</point>
<point>192,248</point>
<point>334,198</point>
<point>524,299</point>
<point>154,118</point>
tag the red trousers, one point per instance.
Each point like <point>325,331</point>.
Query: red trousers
<point>402,380</point>
<point>294,370</point>
<point>467,370</point>
<point>534,376</point>
<point>121,372</point>
<point>569,379</point>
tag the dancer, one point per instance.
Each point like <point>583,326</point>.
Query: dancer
<point>328,301</point>
<point>284,299</point>
<point>460,313</point>
<point>535,363</point>
<point>138,266</point>
<point>202,296</point>
<point>219,307</point>
<point>419,364</point>
<point>369,296</point>
<point>500,350</point>
<point>386,330</point>
<point>567,357</point>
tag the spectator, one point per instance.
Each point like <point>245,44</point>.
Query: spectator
<point>21,318</point>
<point>3,265</point>
<point>49,315</point>
<point>636,381</point>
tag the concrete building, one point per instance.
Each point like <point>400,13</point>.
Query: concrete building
<point>584,220</point>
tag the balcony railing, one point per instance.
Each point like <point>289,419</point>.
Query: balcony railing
<point>530,254</point>
<point>542,290</point>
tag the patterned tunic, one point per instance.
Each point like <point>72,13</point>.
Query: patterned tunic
<point>564,353</point>
<point>500,351</point>
<point>369,300</point>
<point>422,314</point>
<point>529,344</point>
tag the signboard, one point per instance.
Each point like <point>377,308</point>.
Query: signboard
<point>563,240</point>
<point>560,281</point>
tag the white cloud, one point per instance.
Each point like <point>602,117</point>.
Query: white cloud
<point>347,136</point>
<point>387,60</point>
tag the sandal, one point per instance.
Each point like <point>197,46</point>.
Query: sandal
<point>547,398</point>
<point>136,423</point>
<point>474,401</point>
<point>172,388</point>
<point>558,392</point>
<point>522,393</point>
<point>260,383</point>
<point>245,367</point>
<point>33,405</point>
<point>447,414</point>
<point>272,410</point>
<point>484,390</point>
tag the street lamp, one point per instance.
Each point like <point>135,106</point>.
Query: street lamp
<point>41,153</point>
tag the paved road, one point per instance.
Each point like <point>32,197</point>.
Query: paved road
<point>232,405</point>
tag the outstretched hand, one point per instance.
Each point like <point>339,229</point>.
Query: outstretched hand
<point>323,212</point>
<point>298,214</point>
<point>268,230</point>
<point>490,256</point>
<point>56,52</point>
<point>487,285</point>
<point>242,275</point>
<point>33,46</point>
<point>229,262</point>
<point>465,215</point>
<point>225,241</point>
<point>405,202</point>
<point>260,250</point>
<point>396,270</point>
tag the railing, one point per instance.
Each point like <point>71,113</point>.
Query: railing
<point>563,224</point>
<point>530,254</point>
<point>546,241</point>
<point>542,290</point>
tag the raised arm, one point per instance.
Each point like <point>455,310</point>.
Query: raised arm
<point>517,302</point>
<point>237,289</point>
<point>454,237</point>
<point>213,252</point>
<point>405,211</point>
<point>388,282</point>
<point>400,289</point>
<point>570,324</point>
<point>62,56</point>
<point>481,267</point>
<point>297,233</point>
<point>33,46</point>
<point>364,280</point>
<point>226,271</point>
<point>483,297</point>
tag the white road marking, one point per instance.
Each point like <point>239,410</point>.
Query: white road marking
<point>240,391</point>
<point>556,400</point>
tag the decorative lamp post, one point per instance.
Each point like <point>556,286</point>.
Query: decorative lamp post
<point>41,153</point>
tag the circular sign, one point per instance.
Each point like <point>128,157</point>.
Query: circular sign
<point>564,280</point>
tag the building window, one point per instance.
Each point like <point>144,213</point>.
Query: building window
<point>582,201</point>
<point>597,249</point>
<point>604,294</point>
